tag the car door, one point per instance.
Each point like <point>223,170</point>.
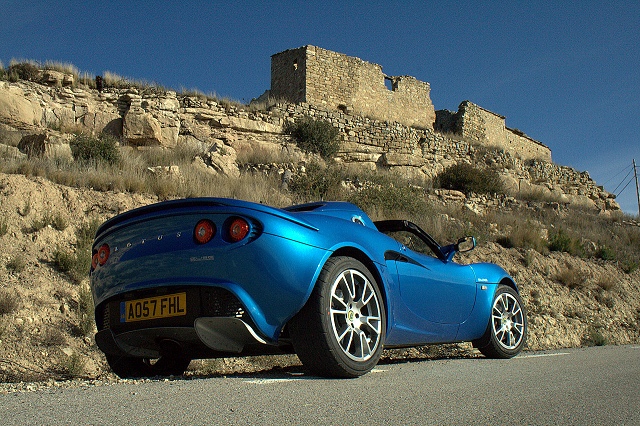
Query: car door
<point>438,291</point>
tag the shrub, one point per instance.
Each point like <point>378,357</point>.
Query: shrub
<point>523,236</point>
<point>85,311</point>
<point>24,71</point>
<point>563,242</point>
<point>104,148</point>
<point>73,366</point>
<point>74,265</point>
<point>571,277</point>
<point>17,264</point>
<point>56,222</point>
<point>389,198</point>
<point>4,226</point>
<point>629,266</point>
<point>468,179</point>
<point>3,72</point>
<point>318,183</point>
<point>315,136</point>
<point>9,302</point>
<point>606,283</point>
<point>86,233</point>
<point>605,253</point>
<point>53,337</point>
<point>595,338</point>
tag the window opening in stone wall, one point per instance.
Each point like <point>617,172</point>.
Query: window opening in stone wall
<point>391,83</point>
<point>388,83</point>
<point>295,64</point>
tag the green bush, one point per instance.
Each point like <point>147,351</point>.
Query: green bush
<point>315,136</point>
<point>74,264</point>
<point>595,338</point>
<point>24,71</point>
<point>468,179</point>
<point>85,311</point>
<point>605,253</point>
<point>563,242</point>
<point>103,149</point>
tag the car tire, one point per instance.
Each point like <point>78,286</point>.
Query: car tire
<point>128,367</point>
<point>341,329</point>
<point>506,333</point>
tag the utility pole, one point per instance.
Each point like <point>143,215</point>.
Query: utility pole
<point>635,174</point>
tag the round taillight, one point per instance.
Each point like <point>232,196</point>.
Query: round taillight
<point>238,229</point>
<point>103,254</point>
<point>204,231</point>
<point>94,260</point>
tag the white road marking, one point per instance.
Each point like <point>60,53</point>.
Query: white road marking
<point>542,355</point>
<point>269,381</point>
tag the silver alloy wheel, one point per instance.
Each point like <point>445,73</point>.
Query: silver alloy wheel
<point>507,318</point>
<point>355,315</point>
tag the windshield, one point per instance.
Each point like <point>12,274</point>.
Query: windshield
<point>411,236</point>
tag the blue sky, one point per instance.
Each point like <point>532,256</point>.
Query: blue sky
<point>565,73</point>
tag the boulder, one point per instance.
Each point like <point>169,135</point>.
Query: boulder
<point>246,124</point>
<point>16,107</point>
<point>220,159</point>
<point>140,128</point>
<point>397,159</point>
<point>56,78</point>
<point>45,145</point>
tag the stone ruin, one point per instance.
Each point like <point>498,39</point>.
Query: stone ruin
<point>334,81</point>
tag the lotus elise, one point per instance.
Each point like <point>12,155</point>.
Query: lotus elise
<point>214,277</point>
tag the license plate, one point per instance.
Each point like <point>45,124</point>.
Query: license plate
<point>169,305</point>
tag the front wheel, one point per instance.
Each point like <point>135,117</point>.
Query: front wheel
<point>341,329</point>
<point>506,332</point>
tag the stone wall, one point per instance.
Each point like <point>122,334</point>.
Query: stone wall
<point>336,81</point>
<point>488,128</point>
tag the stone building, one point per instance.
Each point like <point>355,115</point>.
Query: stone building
<point>487,128</point>
<point>336,81</point>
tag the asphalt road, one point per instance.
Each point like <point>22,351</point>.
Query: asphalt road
<point>593,386</point>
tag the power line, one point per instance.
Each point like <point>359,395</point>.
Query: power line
<point>623,180</point>
<point>625,187</point>
<point>630,166</point>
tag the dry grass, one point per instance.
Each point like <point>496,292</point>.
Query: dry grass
<point>381,194</point>
<point>572,277</point>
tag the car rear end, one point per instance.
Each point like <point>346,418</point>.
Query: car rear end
<point>200,276</point>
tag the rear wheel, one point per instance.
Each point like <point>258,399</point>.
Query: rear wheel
<point>506,332</point>
<point>341,329</point>
<point>127,367</point>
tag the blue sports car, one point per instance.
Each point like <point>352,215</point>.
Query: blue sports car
<point>214,277</point>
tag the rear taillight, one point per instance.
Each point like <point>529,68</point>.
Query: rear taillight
<point>94,260</point>
<point>103,254</point>
<point>238,229</point>
<point>204,231</point>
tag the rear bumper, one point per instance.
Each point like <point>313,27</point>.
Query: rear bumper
<point>208,336</point>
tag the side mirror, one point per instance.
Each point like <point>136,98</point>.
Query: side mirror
<point>466,244</point>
